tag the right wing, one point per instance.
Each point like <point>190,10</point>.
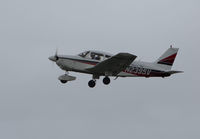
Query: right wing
<point>114,64</point>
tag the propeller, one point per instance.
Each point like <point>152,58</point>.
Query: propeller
<point>55,57</point>
<point>56,54</point>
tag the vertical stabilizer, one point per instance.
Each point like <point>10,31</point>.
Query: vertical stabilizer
<point>167,59</point>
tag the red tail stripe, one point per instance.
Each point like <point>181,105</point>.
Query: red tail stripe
<point>169,58</point>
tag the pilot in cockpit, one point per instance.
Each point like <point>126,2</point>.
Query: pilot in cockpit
<point>97,57</point>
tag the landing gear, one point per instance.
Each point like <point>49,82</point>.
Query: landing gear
<point>63,81</point>
<point>92,83</point>
<point>65,78</point>
<point>106,80</point>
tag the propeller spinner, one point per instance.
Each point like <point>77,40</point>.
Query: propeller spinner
<point>55,57</point>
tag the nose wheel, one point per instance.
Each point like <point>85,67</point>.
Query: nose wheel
<point>63,81</point>
<point>106,80</point>
<point>92,83</point>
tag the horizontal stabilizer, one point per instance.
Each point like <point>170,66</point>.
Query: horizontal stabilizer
<point>174,72</point>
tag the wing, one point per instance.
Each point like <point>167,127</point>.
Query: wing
<point>114,64</point>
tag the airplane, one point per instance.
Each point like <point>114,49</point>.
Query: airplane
<point>100,63</point>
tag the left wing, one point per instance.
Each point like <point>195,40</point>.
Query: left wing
<point>114,64</point>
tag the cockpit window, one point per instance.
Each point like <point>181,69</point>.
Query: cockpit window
<point>96,56</point>
<point>83,54</point>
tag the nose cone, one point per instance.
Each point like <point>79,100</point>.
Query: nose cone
<point>53,58</point>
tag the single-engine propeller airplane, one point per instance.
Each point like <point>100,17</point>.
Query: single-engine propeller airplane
<point>100,63</point>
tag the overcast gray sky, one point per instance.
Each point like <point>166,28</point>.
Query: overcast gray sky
<point>34,105</point>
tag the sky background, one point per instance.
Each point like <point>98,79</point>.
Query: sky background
<point>35,105</point>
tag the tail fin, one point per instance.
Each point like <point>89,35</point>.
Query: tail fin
<point>167,59</point>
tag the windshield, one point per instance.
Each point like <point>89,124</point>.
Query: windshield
<point>83,54</point>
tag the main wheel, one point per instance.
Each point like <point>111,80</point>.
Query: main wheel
<point>106,80</point>
<point>91,83</point>
<point>63,81</point>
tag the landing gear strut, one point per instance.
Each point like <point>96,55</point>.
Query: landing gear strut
<point>92,83</point>
<point>106,80</point>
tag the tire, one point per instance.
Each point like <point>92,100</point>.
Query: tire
<point>106,80</point>
<point>63,81</point>
<point>91,83</point>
